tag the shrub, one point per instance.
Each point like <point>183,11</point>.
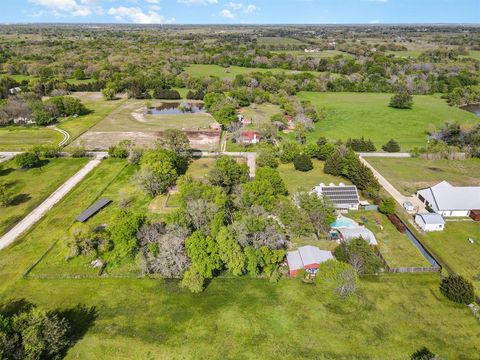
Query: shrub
<point>303,163</point>
<point>337,277</point>
<point>78,152</point>
<point>387,206</point>
<point>266,159</point>
<point>27,160</point>
<point>118,152</point>
<point>5,197</point>
<point>391,146</point>
<point>423,354</point>
<point>458,289</point>
<point>359,254</point>
<point>361,145</point>
<point>402,100</point>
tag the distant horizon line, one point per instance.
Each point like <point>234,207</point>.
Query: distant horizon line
<point>245,25</point>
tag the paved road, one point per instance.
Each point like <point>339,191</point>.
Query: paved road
<point>45,206</point>
<point>397,195</point>
<point>7,155</point>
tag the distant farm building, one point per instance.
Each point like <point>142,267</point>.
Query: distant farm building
<point>344,197</point>
<point>430,222</point>
<point>306,258</point>
<point>448,200</point>
<point>250,137</point>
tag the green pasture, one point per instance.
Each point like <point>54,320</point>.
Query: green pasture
<point>352,115</point>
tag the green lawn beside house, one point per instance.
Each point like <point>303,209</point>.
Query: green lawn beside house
<point>21,138</point>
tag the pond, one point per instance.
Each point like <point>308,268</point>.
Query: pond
<point>175,108</point>
<point>473,108</point>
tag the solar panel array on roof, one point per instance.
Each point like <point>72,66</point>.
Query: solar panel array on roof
<point>92,210</point>
<point>341,194</point>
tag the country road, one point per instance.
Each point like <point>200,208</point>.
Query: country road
<point>29,220</point>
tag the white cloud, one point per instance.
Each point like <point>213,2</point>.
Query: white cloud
<point>250,9</point>
<point>198,2</point>
<point>235,6</point>
<point>377,1</point>
<point>227,14</point>
<point>136,15</point>
<point>374,22</point>
<point>154,7</point>
<point>153,1</point>
<point>66,7</point>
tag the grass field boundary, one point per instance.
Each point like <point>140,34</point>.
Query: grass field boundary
<point>72,138</point>
<point>97,196</point>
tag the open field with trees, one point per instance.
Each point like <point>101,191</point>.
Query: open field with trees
<point>454,249</point>
<point>370,116</point>
<point>29,187</point>
<point>297,180</point>
<point>201,70</point>
<point>410,174</point>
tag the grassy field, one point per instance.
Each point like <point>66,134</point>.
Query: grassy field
<point>201,70</point>
<point>31,187</point>
<point>16,138</point>
<point>116,186</point>
<point>368,114</point>
<point>121,119</point>
<point>395,247</point>
<point>100,109</point>
<point>297,180</point>
<point>411,174</point>
<point>259,114</point>
<point>406,53</point>
<point>244,318</point>
<point>234,318</point>
<point>19,78</point>
<point>278,41</point>
<point>454,249</point>
<point>473,54</point>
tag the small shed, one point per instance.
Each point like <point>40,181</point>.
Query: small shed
<point>475,215</point>
<point>308,258</point>
<point>430,221</point>
<point>92,210</point>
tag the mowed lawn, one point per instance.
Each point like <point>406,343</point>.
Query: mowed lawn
<point>396,247</point>
<point>30,187</point>
<point>298,180</point>
<point>259,114</point>
<point>16,138</point>
<point>410,174</point>
<point>452,248</point>
<point>352,115</point>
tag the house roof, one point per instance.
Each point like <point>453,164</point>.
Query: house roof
<point>92,210</point>
<point>445,196</point>
<point>338,194</point>
<point>358,232</point>
<point>250,134</point>
<point>432,218</point>
<point>307,255</point>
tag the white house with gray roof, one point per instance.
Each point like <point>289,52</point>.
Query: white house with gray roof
<point>344,197</point>
<point>448,200</point>
<point>430,221</point>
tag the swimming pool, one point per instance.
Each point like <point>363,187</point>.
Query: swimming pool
<point>343,222</point>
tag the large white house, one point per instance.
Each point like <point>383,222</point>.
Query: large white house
<point>430,221</point>
<point>448,200</point>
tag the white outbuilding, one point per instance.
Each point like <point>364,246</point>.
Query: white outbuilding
<point>430,221</point>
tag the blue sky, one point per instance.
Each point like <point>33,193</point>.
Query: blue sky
<point>240,12</point>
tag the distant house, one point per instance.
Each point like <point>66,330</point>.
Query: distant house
<point>350,233</point>
<point>15,90</point>
<point>448,200</point>
<point>430,222</point>
<point>344,197</point>
<point>308,258</point>
<point>250,137</point>
<point>215,126</point>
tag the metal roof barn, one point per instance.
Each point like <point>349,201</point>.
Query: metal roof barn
<point>92,210</point>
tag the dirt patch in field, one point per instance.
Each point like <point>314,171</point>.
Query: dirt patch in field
<point>102,140</point>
